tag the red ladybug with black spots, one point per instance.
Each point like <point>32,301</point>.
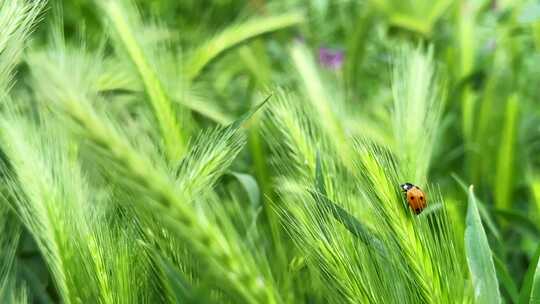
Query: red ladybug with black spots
<point>416,198</point>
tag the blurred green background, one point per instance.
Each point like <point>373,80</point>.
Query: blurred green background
<point>136,170</point>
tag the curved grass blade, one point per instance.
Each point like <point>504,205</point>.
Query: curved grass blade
<point>179,288</point>
<point>535,292</point>
<point>486,216</point>
<point>341,215</point>
<point>479,257</point>
<point>432,209</point>
<point>519,220</point>
<point>250,185</point>
<point>245,117</point>
<point>235,35</point>
<point>505,169</point>
<point>506,280</point>
<point>174,136</point>
<point>531,283</point>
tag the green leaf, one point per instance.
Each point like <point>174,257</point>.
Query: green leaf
<point>486,216</point>
<point>479,257</point>
<point>519,220</point>
<point>419,16</point>
<point>235,35</point>
<point>530,288</point>
<point>506,279</point>
<point>246,116</point>
<point>535,292</point>
<point>319,177</point>
<point>203,107</point>
<point>505,170</point>
<point>250,185</point>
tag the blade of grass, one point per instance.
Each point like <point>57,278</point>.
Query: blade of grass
<point>519,220</point>
<point>250,186</point>
<point>484,213</point>
<point>203,107</point>
<point>535,292</point>
<point>340,214</point>
<point>174,137</point>
<point>506,279</point>
<point>419,16</point>
<point>182,290</point>
<point>235,35</point>
<point>479,257</point>
<point>530,281</point>
<point>503,183</point>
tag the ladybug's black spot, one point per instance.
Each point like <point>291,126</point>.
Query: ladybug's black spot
<point>412,197</point>
<point>421,198</point>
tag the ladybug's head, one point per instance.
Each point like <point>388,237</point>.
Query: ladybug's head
<point>406,187</point>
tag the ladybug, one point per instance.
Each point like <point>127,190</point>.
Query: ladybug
<point>416,198</point>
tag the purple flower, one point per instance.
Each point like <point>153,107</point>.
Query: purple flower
<point>331,58</point>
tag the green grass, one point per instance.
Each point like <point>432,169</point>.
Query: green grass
<point>184,152</point>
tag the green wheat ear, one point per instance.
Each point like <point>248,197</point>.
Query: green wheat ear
<point>418,98</point>
<point>341,215</point>
<point>9,240</point>
<point>17,19</point>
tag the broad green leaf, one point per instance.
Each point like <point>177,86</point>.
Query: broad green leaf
<point>479,257</point>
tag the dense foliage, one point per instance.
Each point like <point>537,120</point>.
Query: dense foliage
<point>252,151</point>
